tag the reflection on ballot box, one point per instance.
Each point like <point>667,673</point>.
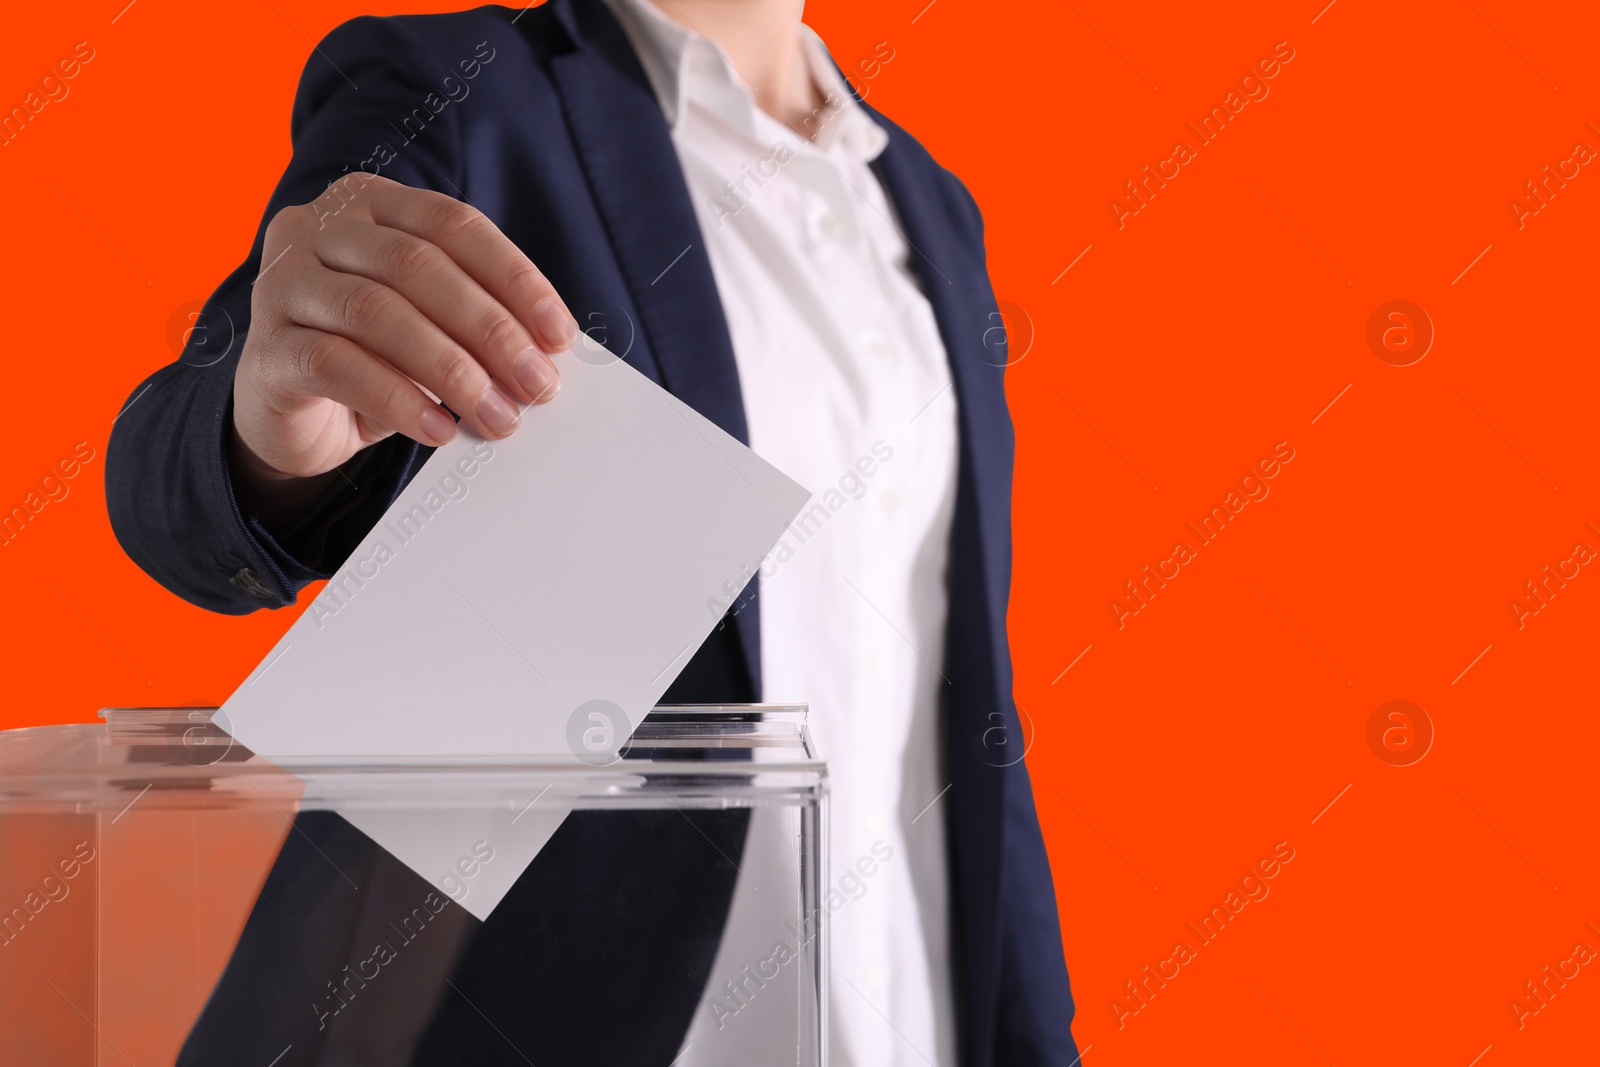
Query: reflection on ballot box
<point>168,897</point>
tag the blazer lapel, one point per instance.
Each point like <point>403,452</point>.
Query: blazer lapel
<point>633,171</point>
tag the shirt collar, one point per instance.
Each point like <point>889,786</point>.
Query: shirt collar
<point>685,68</point>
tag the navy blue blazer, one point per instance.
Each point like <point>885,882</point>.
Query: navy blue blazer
<point>545,121</point>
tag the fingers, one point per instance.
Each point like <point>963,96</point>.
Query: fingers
<point>478,247</point>
<point>424,274</point>
<point>328,365</point>
<point>384,323</point>
<point>399,297</point>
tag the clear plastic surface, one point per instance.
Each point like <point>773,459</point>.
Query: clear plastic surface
<point>168,897</point>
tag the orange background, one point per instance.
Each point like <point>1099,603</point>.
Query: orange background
<point>1221,319</point>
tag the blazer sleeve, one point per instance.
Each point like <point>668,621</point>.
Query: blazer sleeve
<point>368,99</point>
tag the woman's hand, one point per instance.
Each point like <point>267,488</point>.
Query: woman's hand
<point>374,303</point>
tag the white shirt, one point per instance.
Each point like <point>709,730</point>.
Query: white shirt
<point>846,388</point>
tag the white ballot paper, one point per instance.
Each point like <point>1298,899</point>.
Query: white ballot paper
<point>516,594</point>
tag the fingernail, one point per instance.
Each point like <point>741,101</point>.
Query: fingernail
<point>437,426</point>
<point>496,411</point>
<point>555,326</point>
<point>536,374</point>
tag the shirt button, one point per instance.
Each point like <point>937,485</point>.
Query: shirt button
<point>890,502</point>
<point>879,347</point>
<point>872,824</point>
<point>246,580</point>
<point>832,226</point>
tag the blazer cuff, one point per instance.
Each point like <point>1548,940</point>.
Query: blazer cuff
<point>321,538</point>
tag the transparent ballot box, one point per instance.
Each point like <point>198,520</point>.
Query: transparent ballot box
<point>168,897</point>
